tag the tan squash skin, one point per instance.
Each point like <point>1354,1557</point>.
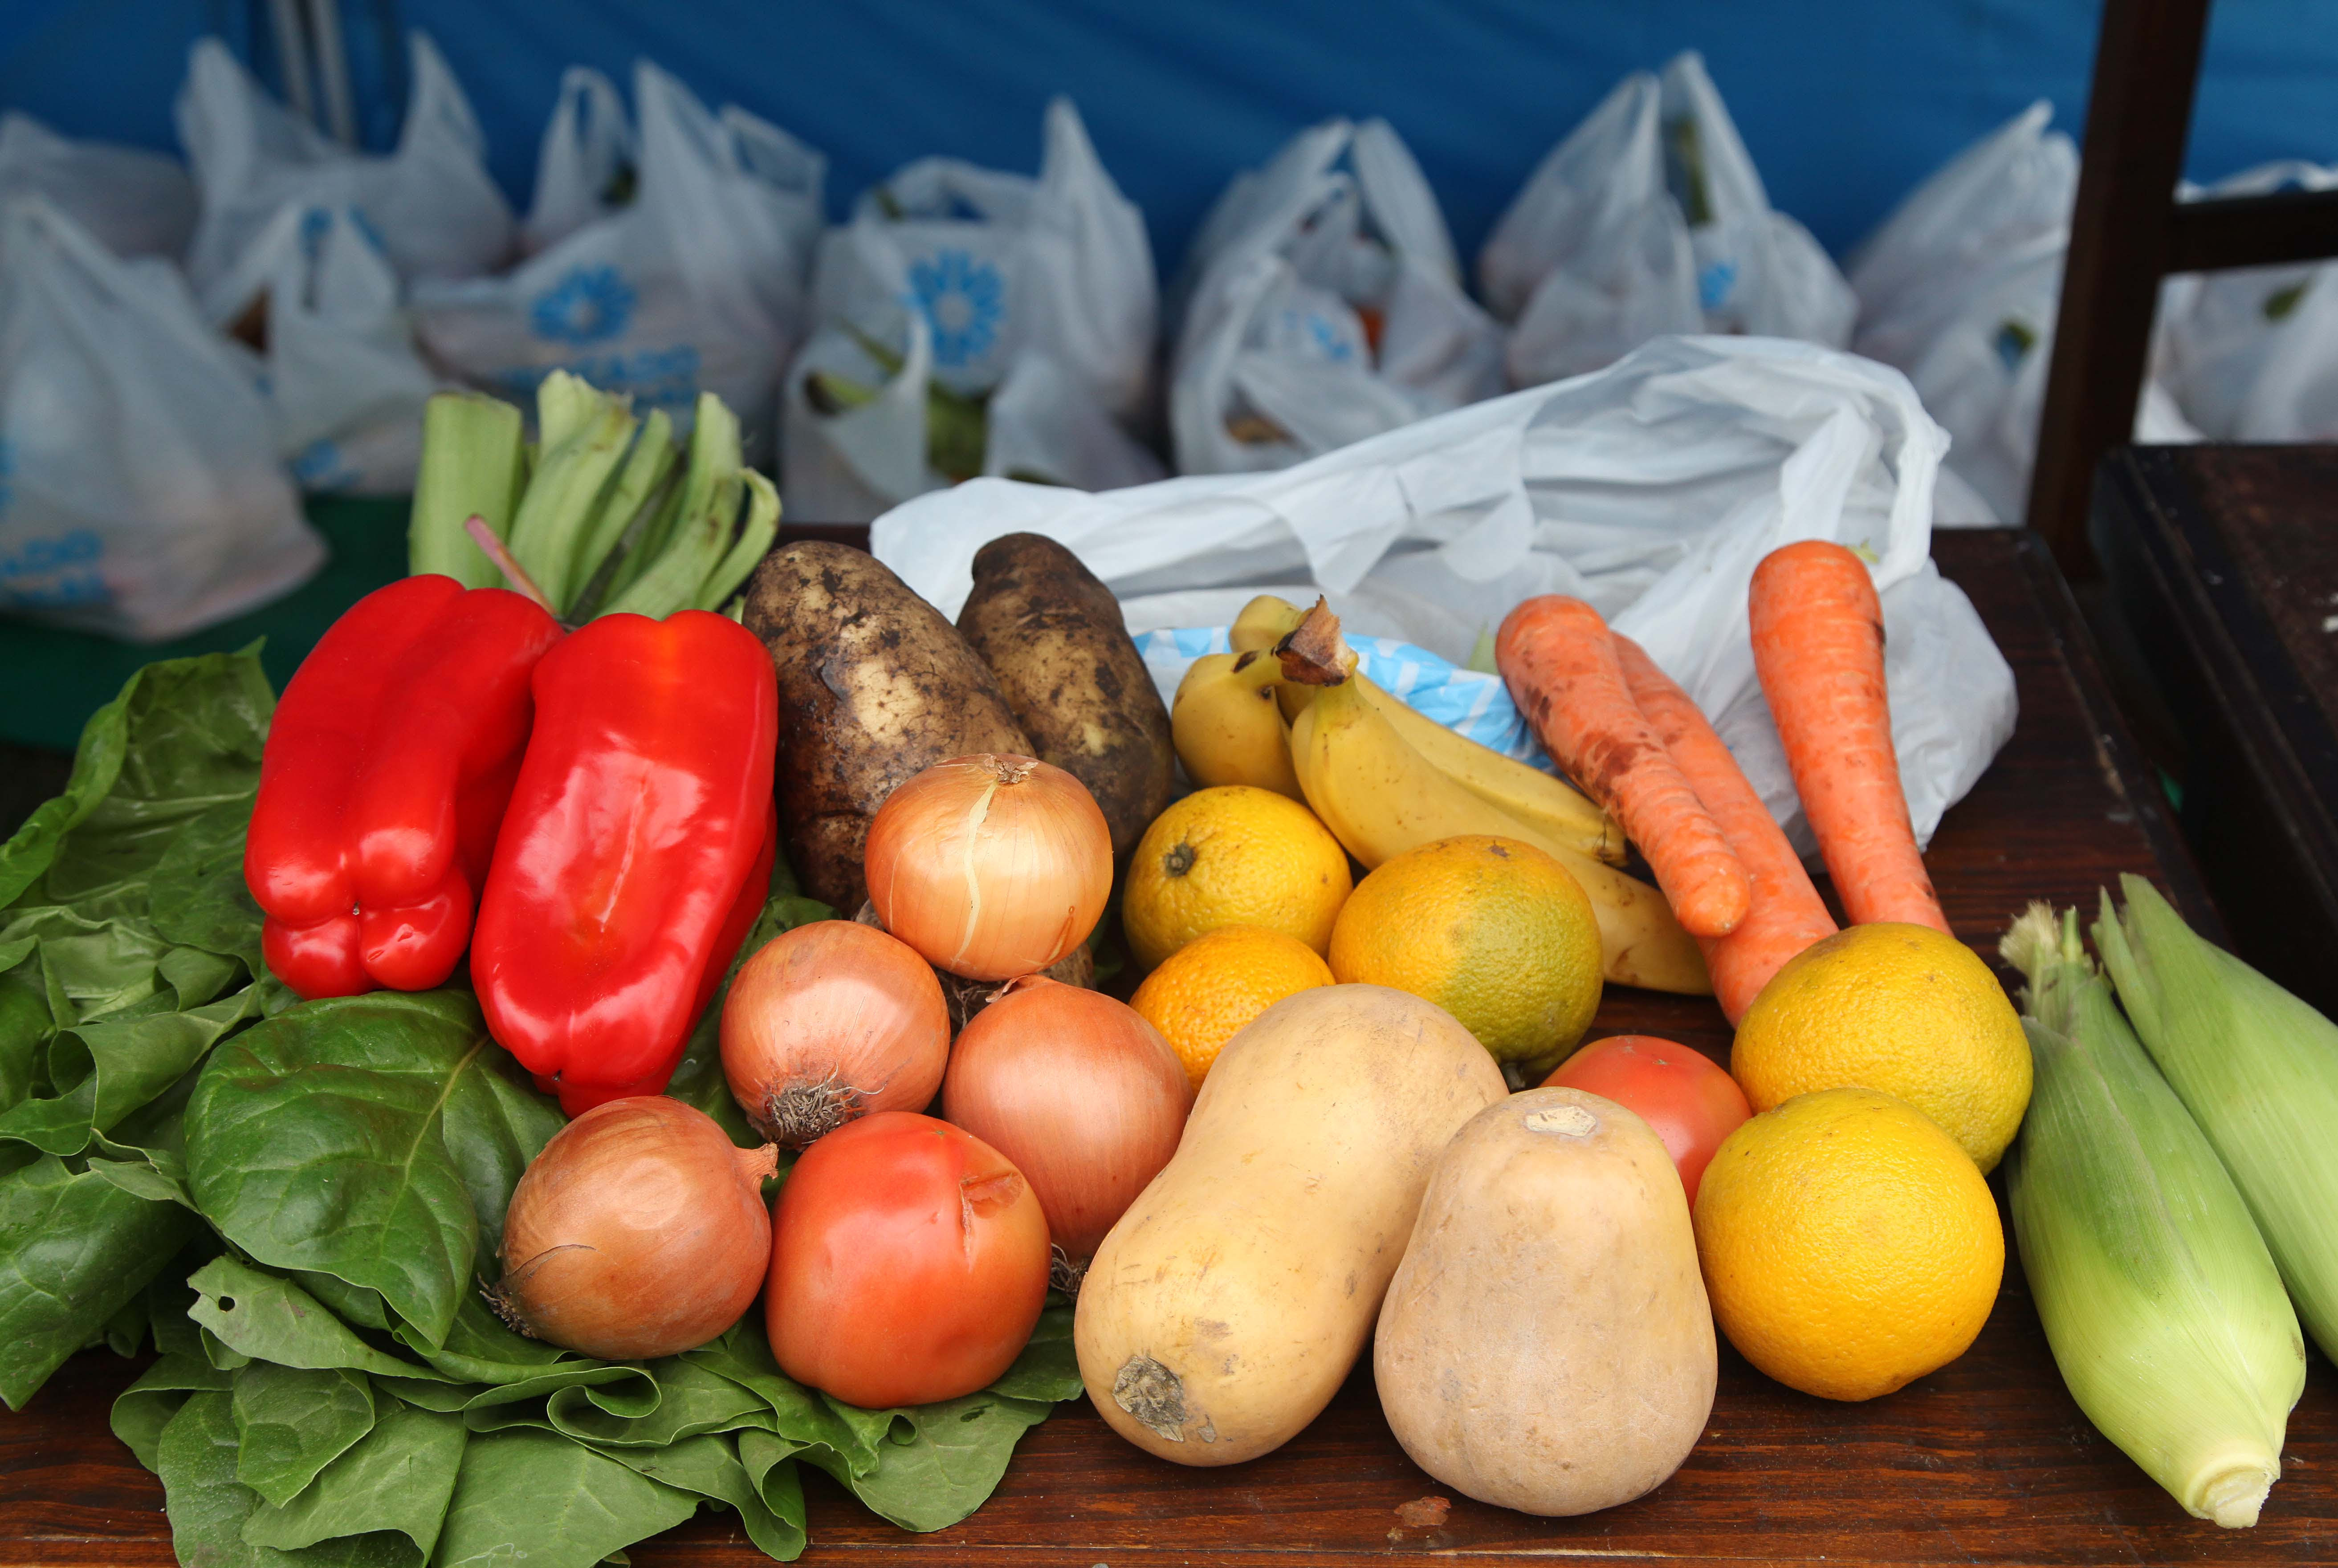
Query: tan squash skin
<point>1228,1305</point>
<point>1545,1344</point>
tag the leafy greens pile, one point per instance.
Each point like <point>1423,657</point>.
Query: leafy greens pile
<point>296,1201</point>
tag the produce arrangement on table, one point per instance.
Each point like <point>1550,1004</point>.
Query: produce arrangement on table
<point>444,1070</point>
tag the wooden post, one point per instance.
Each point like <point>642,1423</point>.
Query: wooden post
<point>2138,117</point>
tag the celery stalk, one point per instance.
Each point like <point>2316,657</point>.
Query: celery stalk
<point>672,581</point>
<point>472,465</point>
<point>2258,1069</point>
<point>756,537</point>
<point>2163,1308</point>
<point>581,443</point>
<point>645,469</point>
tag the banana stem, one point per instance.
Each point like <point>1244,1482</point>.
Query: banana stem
<point>1314,653</point>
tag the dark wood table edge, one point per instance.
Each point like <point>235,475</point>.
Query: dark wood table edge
<point>2238,654</point>
<point>2123,758</point>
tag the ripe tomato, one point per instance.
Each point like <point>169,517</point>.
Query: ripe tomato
<point>1682,1094</point>
<point>909,1263</point>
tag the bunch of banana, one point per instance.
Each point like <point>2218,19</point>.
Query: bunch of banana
<point>1385,779</point>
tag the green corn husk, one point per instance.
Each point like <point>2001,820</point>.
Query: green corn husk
<point>2162,1305</point>
<point>473,463</point>
<point>2258,1068</point>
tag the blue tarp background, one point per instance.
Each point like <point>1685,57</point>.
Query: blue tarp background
<point>1844,103</point>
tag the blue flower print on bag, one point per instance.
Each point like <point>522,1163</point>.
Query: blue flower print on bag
<point>1714,284</point>
<point>588,305</point>
<point>963,300</point>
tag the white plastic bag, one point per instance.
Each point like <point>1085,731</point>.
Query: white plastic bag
<point>132,201</point>
<point>139,493</point>
<point>696,285</point>
<point>1652,489</point>
<point>431,203</point>
<point>1593,258</point>
<point>1030,303</point>
<point>341,374</point>
<point>587,162</point>
<point>1757,270</point>
<point>1322,304</point>
<point>2252,354</point>
<point>1959,286</point>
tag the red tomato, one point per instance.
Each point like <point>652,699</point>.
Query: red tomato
<point>1687,1099</point>
<point>909,1263</point>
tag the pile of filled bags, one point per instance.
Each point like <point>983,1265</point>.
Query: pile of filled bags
<point>189,348</point>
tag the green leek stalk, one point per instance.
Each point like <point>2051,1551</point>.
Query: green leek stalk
<point>2259,1071</point>
<point>473,464</point>
<point>2160,1302</point>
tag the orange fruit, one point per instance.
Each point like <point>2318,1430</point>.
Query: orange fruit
<point>1849,1246</point>
<point>1221,980</point>
<point>1233,856</point>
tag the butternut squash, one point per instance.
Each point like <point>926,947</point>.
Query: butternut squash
<point>1228,1305</point>
<point>1545,1344</point>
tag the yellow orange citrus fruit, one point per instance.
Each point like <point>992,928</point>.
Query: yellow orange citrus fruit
<point>1495,931</point>
<point>1232,856</point>
<point>1221,980</point>
<point>1849,1245</point>
<point>1899,1008</point>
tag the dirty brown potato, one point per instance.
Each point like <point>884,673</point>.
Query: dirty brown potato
<point>1055,638</point>
<point>875,687</point>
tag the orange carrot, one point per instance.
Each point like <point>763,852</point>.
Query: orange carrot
<point>1556,658</point>
<point>1818,648</point>
<point>1787,914</point>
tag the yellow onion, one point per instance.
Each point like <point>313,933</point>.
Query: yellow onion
<point>1083,1095</point>
<point>638,1231</point>
<point>830,1022</point>
<point>991,866</point>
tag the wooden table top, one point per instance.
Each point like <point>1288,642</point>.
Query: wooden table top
<point>1987,1460</point>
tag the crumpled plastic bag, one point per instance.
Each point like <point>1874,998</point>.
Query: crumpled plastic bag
<point>141,495</point>
<point>432,207</point>
<point>1322,304</point>
<point>1651,489</point>
<point>971,321</point>
<point>132,201</point>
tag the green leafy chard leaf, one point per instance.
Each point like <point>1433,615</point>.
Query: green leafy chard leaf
<point>573,1506</point>
<point>291,1422</point>
<point>258,1315</point>
<point>691,1401</point>
<point>74,1247</point>
<point>950,1464</point>
<point>710,1466</point>
<point>399,1476</point>
<point>375,1139</point>
<point>208,1506</point>
<point>105,1071</point>
<point>191,730</point>
<point>198,898</point>
<point>1047,1370</point>
<point>141,1410</point>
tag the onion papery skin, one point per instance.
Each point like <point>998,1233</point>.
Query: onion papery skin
<point>909,1263</point>
<point>830,1022</point>
<point>1084,1095</point>
<point>991,866</point>
<point>638,1231</point>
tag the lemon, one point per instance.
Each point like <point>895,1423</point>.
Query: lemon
<point>1495,932</point>
<point>1849,1245</point>
<point>1221,980</point>
<point>1899,1008</point>
<point>1232,856</point>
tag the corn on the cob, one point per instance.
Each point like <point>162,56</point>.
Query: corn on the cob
<point>2161,1303</point>
<point>2258,1068</point>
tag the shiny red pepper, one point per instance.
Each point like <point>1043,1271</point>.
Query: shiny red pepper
<point>636,853</point>
<point>384,780</point>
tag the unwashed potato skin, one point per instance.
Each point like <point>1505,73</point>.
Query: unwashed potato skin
<point>1228,1305</point>
<point>1545,1344</point>
<point>1056,638</point>
<point>875,687</point>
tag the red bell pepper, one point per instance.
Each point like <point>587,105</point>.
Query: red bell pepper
<point>383,782</point>
<point>636,853</point>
